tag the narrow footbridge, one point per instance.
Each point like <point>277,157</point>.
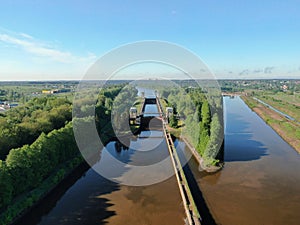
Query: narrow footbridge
<point>158,118</point>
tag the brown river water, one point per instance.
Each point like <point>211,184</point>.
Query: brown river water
<point>260,184</point>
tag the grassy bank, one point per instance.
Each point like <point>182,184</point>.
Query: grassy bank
<point>287,129</point>
<point>212,167</point>
<point>24,202</point>
<point>287,103</point>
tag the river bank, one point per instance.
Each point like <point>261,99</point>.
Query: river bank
<point>176,133</point>
<point>93,199</point>
<point>23,204</point>
<point>200,160</point>
<point>286,128</point>
<point>260,181</point>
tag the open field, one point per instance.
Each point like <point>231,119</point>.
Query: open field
<point>288,130</point>
<point>289,104</point>
<point>21,92</point>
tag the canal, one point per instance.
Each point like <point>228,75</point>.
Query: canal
<point>92,199</point>
<point>259,184</point>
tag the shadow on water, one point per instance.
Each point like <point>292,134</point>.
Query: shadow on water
<point>236,150</point>
<point>79,199</point>
<point>236,135</point>
<point>84,197</point>
<point>39,213</point>
<point>207,218</point>
<point>192,173</point>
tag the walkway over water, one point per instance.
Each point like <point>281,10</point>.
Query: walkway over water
<point>260,182</point>
<point>193,216</point>
<point>92,199</point>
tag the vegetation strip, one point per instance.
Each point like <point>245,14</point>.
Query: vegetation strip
<point>276,110</point>
<point>30,172</point>
<point>288,130</point>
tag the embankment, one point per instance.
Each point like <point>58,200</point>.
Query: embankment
<point>287,129</point>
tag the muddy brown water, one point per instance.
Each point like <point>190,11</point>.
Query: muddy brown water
<point>93,199</point>
<point>260,184</point>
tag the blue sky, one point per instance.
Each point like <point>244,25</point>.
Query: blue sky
<point>49,40</point>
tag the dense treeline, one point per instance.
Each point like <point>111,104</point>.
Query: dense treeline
<point>202,119</point>
<point>27,170</point>
<point>95,111</point>
<point>26,167</point>
<point>103,112</point>
<point>115,101</point>
<point>120,110</point>
<point>23,124</point>
<point>95,106</point>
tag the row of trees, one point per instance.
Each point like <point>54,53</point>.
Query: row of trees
<point>46,149</point>
<point>112,110</point>
<point>203,123</point>
<point>51,137</point>
<point>26,167</point>
<point>23,124</point>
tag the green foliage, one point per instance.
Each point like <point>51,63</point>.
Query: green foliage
<point>28,166</point>
<point>23,124</point>
<point>203,138</point>
<point>215,141</point>
<point>24,176</point>
<point>6,187</point>
<point>121,105</point>
<point>203,131</point>
<point>173,121</point>
<point>205,115</point>
<point>27,200</point>
<point>114,99</point>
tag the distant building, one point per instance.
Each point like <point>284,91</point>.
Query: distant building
<point>285,87</point>
<point>55,91</point>
<point>6,105</point>
<point>46,92</point>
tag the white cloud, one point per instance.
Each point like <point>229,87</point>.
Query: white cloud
<point>26,36</point>
<point>269,69</point>
<point>39,49</point>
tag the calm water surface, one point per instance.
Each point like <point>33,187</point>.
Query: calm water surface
<point>92,199</point>
<point>260,183</point>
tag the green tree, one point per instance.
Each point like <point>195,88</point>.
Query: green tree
<point>215,140</point>
<point>173,121</point>
<point>205,114</point>
<point>6,187</point>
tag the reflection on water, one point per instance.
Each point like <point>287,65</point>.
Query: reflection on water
<point>260,182</point>
<point>96,200</point>
<point>151,110</point>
